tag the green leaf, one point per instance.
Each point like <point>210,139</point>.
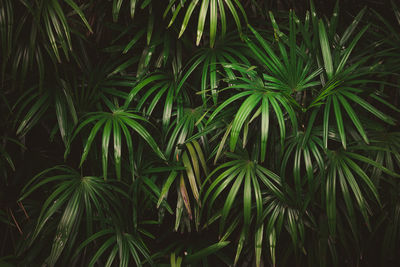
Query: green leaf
<point>202,18</point>
<point>325,125</point>
<point>349,31</point>
<point>191,176</point>
<point>234,13</point>
<point>258,244</point>
<point>145,135</point>
<point>188,14</point>
<point>166,186</point>
<point>105,143</point>
<point>331,200</point>
<point>203,253</point>
<point>369,107</point>
<point>349,49</point>
<point>353,117</point>
<point>339,120</point>
<point>80,13</point>
<point>231,198</point>
<point>244,111</point>
<point>247,199</point>
<point>70,216</point>
<point>213,21</point>
<point>117,147</point>
<point>90,139</point>
<point>185,197</point>
<point>325,48</point>
<point>264,126</point>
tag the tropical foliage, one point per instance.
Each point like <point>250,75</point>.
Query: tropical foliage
<point>199,133</point>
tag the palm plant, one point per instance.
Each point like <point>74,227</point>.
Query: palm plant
<point>271,140</point>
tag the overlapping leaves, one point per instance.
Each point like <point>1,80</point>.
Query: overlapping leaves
<point>120,122</point>
<point>77,197</point>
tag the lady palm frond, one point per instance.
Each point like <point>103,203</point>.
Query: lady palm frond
<point>304,155</point>
<point>346,80</point>
<point>216,11</point>
<point>187,121</point>
<point>116,121</point>
<point>115,242</point>
<point>33,33</point>
<point>240,172</point>
<point>193,169</point>
<point>162,85</point>
<point>290,71</point>
<point>258,98</point>
<point>78,197</point>
<point>40,102</point>
<point>345,170</point>
<point>162,51</point>
<point>227,50</point>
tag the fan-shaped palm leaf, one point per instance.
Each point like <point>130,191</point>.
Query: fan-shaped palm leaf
<point>240,172</point>
<point>216,10</point>
<point>228,49</point>
<point>258,97</point>
<point>346,81</point>
<point>114,242</point>
<point>116,121</point>
<point>75,195</point>
<point>344,170</point>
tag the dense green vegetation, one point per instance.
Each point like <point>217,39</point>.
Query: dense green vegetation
<point>199,133</point>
